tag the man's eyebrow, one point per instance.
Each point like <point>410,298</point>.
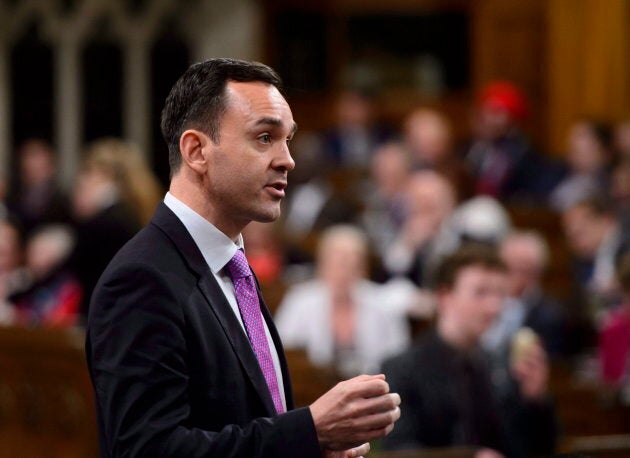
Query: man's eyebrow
<point>275,122</point>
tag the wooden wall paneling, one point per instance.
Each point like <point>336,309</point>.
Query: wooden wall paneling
<point>509,43</point>
<point>589,63</point>
<point>564,77</point>
<point>46,398</point>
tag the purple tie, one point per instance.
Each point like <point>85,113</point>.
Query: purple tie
<point>249,306</point>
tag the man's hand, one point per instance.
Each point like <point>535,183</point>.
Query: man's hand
<point>354,412</point>
<point>488,453</point>
<point>531,371</point>
<point>357,452</point>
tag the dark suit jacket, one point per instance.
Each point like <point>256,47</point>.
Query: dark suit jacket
<point>449,399</point>
<point>173,371</point>
<point>547,318</point>
<point>98,240</point>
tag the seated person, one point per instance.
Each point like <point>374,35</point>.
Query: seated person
<point>113,194</point>
<point>526,254</point>
<point>53,297</point>
<point>340,318</point>
<point>429,136</point>
<point>385,203</point>
<point>351,142</point>
<point>36,197</point>
<point>620,192</point>
<point>444,380</point>
<point>597,242</point>
<point>425,235</point>
<point>434,226</point>
<point>501,159</point>
<point>588,162</point>
<point>614,337</point>
<point>13,276</point>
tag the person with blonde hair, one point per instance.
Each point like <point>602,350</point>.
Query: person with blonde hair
<point>115,194</point>
<point>123,167</point>
<point>353,323</point>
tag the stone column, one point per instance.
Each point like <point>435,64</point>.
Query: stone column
<point>68,98</point>
<point>227,28</point>
<point>136,93</point>
<point>67,33</point>
<point>136,34</point>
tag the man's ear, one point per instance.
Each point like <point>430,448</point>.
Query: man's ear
<point>193,145</point>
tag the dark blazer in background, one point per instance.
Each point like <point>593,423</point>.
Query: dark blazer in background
<point>174,372</point>
<point>98,239</point>
<point>450,399</point>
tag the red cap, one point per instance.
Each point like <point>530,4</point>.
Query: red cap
<point>505,95</point>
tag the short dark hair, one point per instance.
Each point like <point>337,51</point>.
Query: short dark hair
<point>601,131</point>
<point>599,204</point>
<point>469,255</point>
<point>197,100</point>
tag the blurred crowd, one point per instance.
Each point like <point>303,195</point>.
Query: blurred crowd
<point>55,244</point>
<point>374,213</point>
<point>416,195</point>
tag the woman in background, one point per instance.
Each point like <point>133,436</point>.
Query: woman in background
<point>115,194</point>
<point>341,318</point>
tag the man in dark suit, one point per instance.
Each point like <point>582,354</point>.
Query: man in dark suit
<point>526,255</point>
<point>445,379</point>
<point>183,354</point>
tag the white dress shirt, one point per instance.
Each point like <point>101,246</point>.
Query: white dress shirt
<point>217,249</point>
<point>304,320</point>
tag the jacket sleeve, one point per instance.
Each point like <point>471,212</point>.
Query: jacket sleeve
<point>136,351</point>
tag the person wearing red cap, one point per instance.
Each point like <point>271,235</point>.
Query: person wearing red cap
<point>502,161</point>
<point>506,96</point>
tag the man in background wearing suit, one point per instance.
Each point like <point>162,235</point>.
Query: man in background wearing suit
<point>183,354</point>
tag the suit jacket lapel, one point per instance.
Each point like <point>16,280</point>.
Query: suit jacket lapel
<point>237,337</point>
<point>168,222</point>
<point>286,379</point>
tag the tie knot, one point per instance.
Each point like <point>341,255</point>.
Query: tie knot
<point>238,267</point>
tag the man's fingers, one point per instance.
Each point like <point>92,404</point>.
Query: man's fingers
<point>364,377</point>
<point>354,412</point>
<point>371,388</point>
<point>378,420</point>
<point>360,450</point>
<point>364,431</point>
<point>379,404</point>
<point>377,433</point>
<point>375,426</point>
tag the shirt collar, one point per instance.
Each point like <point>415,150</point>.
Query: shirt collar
<point>216,247</point>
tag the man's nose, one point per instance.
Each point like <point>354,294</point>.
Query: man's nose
<point>284,160</point>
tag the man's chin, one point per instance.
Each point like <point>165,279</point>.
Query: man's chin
<point>268,216</point>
